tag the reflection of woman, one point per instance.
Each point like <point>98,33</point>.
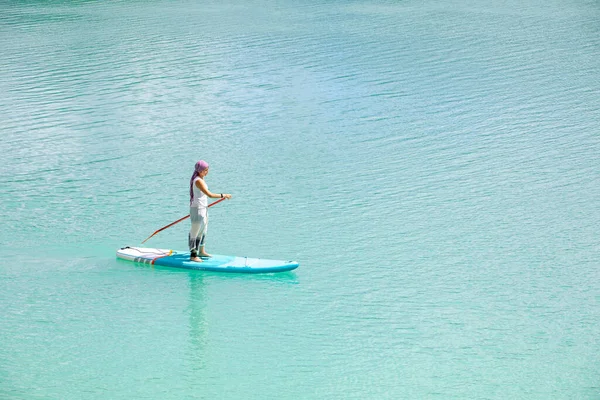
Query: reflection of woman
<point>198,325</point>
<point>199,195</point>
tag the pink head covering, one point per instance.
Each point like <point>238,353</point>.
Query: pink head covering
<point>200,166</point>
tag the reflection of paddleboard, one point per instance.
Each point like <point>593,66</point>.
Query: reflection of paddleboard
<point>170,258</point>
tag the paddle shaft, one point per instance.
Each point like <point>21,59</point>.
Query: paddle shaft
<point>178,221</point>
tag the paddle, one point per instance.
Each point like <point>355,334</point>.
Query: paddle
<point>178,221</point>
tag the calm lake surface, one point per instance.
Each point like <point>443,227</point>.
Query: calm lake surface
<point>433,166</point>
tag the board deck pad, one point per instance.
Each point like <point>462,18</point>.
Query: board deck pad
<point>218,263</point>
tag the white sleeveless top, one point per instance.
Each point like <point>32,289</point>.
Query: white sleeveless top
<point>199,199</point>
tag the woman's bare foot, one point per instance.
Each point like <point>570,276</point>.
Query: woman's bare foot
<point>204,254</point>
<point>196,259</point>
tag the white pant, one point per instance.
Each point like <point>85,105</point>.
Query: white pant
<point>199,219</point>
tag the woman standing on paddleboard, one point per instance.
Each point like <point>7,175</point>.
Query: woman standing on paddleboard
<point>199,195</point>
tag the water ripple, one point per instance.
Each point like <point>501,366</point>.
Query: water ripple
<point>432,166</point>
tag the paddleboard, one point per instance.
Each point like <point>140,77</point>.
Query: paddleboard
<point>218,263</point>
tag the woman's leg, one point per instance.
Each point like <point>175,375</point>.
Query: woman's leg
<point>201,251</point>
<point>195,235</point>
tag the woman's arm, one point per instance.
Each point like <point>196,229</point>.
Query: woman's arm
<point>200,184</point>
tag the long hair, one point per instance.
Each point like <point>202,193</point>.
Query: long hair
<point>200,166</point>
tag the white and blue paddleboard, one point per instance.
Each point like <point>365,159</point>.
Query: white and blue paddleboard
<point>218,263</point>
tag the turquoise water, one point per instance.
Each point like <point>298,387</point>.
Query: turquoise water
<point>433,166</point>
